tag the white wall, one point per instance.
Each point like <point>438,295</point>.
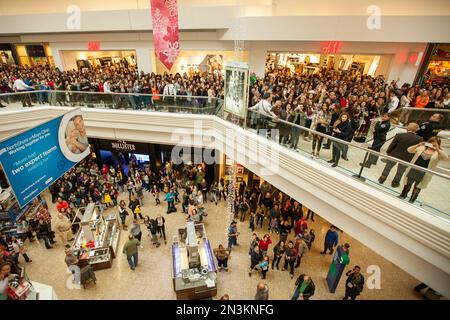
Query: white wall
<point>394,61</point>
<point>236,23</point>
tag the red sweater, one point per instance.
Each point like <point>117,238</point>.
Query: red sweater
<point>264,245</point>
<point>62,205</point>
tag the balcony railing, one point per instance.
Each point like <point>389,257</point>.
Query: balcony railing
<point>433,199</point>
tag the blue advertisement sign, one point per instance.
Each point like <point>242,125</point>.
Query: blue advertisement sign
<point>34,159</point>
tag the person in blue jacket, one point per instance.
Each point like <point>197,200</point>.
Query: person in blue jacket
<point>170,198</point>
<point>331,240</point>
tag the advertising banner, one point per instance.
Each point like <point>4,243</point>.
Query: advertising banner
<point>34,159</point>
<point>337,266</point>
<point>236,88</point>
<point>165,30</point>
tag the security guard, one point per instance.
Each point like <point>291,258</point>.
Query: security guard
<point>432,127</point>
<point>379,138</point>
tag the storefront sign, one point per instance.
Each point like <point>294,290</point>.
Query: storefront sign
<point>331,47</point>
<point>236,88</point>
<point>165,30</point>
<point>34,159</point>
<point>94,45</point>
<point>123,146</point>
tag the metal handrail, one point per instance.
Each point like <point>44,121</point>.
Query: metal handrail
<point>426,170</point>
<point>107,93</point>
<point>408,164</point>
<point>437,110</point>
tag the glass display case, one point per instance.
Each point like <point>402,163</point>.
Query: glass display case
<point>99,236</point>
<point>193,266</point>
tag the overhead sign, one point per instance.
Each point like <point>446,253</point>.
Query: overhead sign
<point>34,159</point>
<point>236,88</point>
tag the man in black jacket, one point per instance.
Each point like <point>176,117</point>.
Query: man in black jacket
<point>379,138</point>
<point>354,284</point>
<point>399,149</point>
<point>305,288</point>
<point>432,127</point>
<point>256,257</point>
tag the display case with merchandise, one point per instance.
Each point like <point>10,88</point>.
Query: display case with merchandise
<point>12,215</point>
<point>97,240</point>
<point>193,267</point>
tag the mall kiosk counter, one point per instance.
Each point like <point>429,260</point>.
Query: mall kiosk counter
<point>194,269</point>
<point>97,240</point>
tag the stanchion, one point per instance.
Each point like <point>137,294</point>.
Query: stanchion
<point>358,176</point>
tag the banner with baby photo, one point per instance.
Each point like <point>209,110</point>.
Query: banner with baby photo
<point>34,159</point>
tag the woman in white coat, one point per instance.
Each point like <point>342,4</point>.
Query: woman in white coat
<point>426,155</point>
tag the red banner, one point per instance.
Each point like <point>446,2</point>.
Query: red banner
<point>165,30</point>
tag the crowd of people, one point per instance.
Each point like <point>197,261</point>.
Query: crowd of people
<point>196,90</point>
<point>331,103</point>
<point>353,107</point>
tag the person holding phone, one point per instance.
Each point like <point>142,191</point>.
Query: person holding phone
<point>426,155</point>
<point>354,284</point>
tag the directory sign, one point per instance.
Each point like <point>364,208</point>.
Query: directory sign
<point>34,159</point>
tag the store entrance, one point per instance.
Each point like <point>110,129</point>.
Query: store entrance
<point>288,64</point>
<point>438,69</point>
<point>101,60</point>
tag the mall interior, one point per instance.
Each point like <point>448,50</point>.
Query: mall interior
<point>227,149</point>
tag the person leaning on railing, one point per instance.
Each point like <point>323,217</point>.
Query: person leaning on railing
<point>426,155</point>
<point>399,149</point>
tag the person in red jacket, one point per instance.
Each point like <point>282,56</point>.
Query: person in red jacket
<point>264,244</point>
<point>105,170</point>
<point>300,226</point>
<point>62,204</point>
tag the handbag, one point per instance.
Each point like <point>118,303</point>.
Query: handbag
<point>137,209</point>
<point>107,198</point>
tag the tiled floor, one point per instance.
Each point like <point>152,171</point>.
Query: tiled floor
<point>152,278</point>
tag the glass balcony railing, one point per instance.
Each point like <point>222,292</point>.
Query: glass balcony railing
<point>421,115</point>
<point>354,157</point>
<point>354,160</point>
<point>116,101</point>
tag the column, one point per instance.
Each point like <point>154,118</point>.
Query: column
<point>143,59</point>
<point>257,58</point>
<point>56,57</point>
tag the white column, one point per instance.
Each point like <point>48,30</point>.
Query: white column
<point>257,58</point>
<point>56,57</point>
<point>143,59</point>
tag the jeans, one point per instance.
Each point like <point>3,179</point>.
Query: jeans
<point>171,206</point>
<point>291,265</point>
<point>259,220</point>
<point>232,241</point>
<point>327,246</point>
<point>223,263</point>
<point>337,147</point>
<point>133,260</point>
<point>297,295</point>
<point>295,134</point>
<point>276,261</point>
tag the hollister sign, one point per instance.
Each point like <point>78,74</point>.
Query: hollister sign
<point>123,146</point>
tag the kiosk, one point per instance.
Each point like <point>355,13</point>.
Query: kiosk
<point>194,269</point>
<point>97,240</point>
